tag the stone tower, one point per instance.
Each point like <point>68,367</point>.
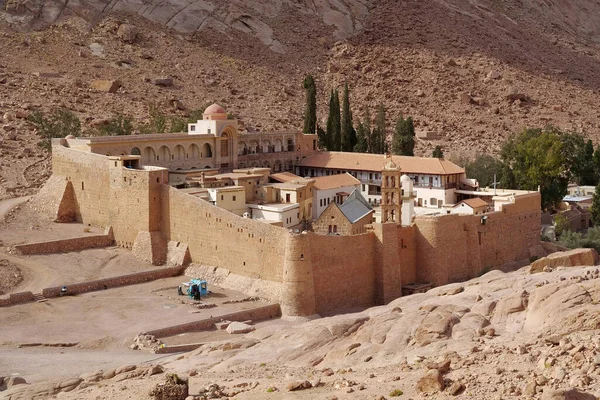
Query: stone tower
<point>391,193</point>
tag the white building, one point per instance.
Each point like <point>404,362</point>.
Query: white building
<point>285,215</point>
<point>332,189</point>
<point>435,180</point>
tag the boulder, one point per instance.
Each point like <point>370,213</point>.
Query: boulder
<point>15,380</point>
<point>239,327</point>
<point>571,258</point>
<point>103,85</point>
<point>431,382</point>
<point>567,394</point>
<point>127,33</point>
<point>163,81</point>
<point>125,368</point>
<point>298,385</point>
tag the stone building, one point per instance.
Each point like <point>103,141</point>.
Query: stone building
<point>348,218</point>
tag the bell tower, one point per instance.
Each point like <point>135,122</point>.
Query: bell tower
<point>391,192</point>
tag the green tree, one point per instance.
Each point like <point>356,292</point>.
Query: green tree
<point>595,209</point>
<point>119,125</point>
<point>438,152</point>
<point>404,137</point>
<point>367,129</point>
<point>322,137</point>
<point>348,135</point>
<point>361,139</point>
<point>57,124</point>
<point>378,137</point>
<point>537,158</point>
<point>333,130</point>
<point>310,111</point>
<point>483,168</point>
<point>582,167</point>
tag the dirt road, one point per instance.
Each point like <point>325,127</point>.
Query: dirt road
<point>7,205</point>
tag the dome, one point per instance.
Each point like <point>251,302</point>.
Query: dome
<point>69,137</point>
<point>404,178</point>
<point>214,109</point>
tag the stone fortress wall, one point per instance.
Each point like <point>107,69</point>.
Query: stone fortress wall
<point>318,274</point>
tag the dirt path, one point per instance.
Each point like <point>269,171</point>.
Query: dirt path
<point>7,205</point>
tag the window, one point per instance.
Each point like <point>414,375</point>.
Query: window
<point>192,128</point>
<point>363,187</point>
<point>233,198</point>
<point>209,131</point>
<point>330,229</point>
<point>335,229</point>
<point>82,186</point>
<point>221,197</point>
<point>287,198</point>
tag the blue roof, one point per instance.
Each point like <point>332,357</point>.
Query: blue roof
<point>355,207</point>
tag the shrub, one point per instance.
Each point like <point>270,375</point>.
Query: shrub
<point>119,125</point>
<point>396,393</point>
<point>56,124</point>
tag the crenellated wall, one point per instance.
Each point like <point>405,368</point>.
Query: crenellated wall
<point>318,273</point>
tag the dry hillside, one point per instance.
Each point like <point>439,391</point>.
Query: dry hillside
<point>469,73</point>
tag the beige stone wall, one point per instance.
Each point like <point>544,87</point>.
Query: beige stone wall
<point>89,175</point>
<point>116,281</point>
<point>455,248</point>
<point>218,238</point>
<point>332,216</point>
<point>65,245</point>
<point>344,276</point>
<point>16,298</point>
<point>407,252</point>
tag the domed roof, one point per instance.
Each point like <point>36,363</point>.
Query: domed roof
<point>405,178</point>
<point>214,109</point>
<point>69,137</point>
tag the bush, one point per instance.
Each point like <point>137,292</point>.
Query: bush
<point>119,125</point>
<point>57,124</point>
<point>396,393</point>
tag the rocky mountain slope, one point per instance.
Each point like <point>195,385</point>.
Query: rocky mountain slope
<point>470,73</point>
<point>503,335</point>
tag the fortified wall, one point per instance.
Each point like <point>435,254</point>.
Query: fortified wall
<point>314,274</point>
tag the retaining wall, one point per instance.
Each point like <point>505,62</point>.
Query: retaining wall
<point>116,281</point>
<point>255,314</point>
<point>17,298</point>
<point>67,245</point>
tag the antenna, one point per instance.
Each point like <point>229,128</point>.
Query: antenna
<point>495,184</point>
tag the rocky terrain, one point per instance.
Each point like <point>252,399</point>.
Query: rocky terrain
<point>500,336</point>
<point>470,73</point>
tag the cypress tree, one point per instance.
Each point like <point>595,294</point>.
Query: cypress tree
<point>595,210</point>
<point>337,123</point>
<point>379,135</point>
<point>347,140</point>
<point>367,130</point>
<point>310,113</point>
<point>322,137</point>
<point>404,137</point>
<point>438,152</point>
<point>329,134</point>
<point>361,139</point>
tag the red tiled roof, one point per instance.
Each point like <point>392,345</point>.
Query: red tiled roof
<point>334,181</point>
<point>376,162</point>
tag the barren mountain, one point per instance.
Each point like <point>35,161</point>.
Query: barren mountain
<point>470,73</point>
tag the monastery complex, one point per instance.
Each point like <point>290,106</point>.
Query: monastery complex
<point>316,231</point>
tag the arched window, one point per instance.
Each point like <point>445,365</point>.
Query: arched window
<point>242,148</point>
<point>179,152</point>
<point>224,144</point>
<point>149,154</point>
<point>164,154</point>
<point>278,146</point>
<point>335,229</point>
<point>206,151</point>
<point>194,151</point>
<point>135,151</point>
<point>290,145</point>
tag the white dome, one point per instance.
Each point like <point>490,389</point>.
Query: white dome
<point>405,178</point>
